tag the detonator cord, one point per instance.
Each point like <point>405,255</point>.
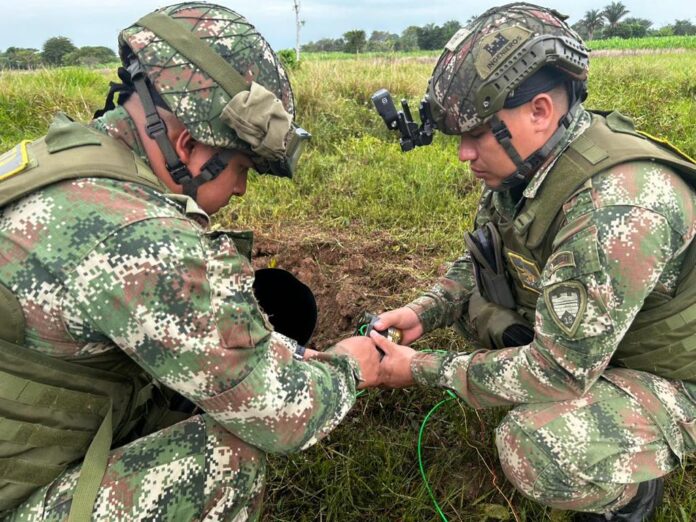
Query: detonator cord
<point>451,397</point>
<point>421,431</point>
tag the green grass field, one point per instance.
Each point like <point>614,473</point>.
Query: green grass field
<point>358,197</point>
<point>649,42</point>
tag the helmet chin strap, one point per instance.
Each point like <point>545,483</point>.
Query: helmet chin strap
<point>157,130</point>
<point>527,167</point>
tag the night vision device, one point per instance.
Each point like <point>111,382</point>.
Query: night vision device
<point>412,134</point>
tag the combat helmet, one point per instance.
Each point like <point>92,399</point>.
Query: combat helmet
<point>210,67</point>
<point>500,60</point>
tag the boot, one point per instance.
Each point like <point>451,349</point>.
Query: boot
<point>641,508</point>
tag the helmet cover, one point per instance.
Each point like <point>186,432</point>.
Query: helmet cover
<point>486,61</point>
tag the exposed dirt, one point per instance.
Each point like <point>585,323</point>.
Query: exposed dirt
<point>348,274</point>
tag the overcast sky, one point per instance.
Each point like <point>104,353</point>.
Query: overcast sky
<point>29,23</point>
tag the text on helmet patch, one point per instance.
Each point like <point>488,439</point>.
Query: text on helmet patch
<point>496,47</point>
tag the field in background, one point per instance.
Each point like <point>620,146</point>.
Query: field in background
<point>625,44</point>
<point>368,226</point>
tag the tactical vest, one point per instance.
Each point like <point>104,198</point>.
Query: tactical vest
<point>55,412</point>
<point>662,337</point>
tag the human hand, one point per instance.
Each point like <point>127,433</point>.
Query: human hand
<point>405,320</point>
<point>363,350</point>
<point>395,368</point>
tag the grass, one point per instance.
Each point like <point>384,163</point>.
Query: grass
<point>648,42</point>
<point>355,178</point>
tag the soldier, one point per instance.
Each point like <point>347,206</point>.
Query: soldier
<point>116,294</point>
<point>578,285</point>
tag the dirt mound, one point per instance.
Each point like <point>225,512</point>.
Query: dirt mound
<point>348,274</point>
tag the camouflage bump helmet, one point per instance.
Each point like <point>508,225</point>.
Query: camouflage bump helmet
<point>197,86</point>
<point>486,61</point>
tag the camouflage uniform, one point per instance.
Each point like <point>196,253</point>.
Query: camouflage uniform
<point>101,265</point>
<point>581,434</point>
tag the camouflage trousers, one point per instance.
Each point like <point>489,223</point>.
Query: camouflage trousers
<point>193,470</point>
<point>589,454</point>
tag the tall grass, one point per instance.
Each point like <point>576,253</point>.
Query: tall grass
<point>355,177</point>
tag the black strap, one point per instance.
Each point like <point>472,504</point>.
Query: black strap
<point>124,91</point>
<point>156,128</point>
<point>211,170</point>
<point>526,167</point>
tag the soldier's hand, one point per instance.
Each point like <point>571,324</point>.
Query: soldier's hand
<point>395,368</point>
<point>363,350</point>
<point>405,320</point>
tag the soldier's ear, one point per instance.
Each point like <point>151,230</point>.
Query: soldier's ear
<point>542,112</point>
<point>183,145</point>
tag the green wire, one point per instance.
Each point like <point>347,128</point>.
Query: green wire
<point>451,397</point>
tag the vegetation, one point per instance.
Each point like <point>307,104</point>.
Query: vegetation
<point>648,42</point>
<point>610,22</point>
<point>355,181</point>
<point>413,38</point>
<point>56,51</point>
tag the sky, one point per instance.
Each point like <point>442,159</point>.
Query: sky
<point>90,22</point>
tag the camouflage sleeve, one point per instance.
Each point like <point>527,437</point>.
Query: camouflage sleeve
<point>447,300</point>
<point>626,235</point>
<point>180,303</point>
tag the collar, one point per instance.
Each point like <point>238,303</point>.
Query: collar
<point>579,124</point>
<point>118,124</point>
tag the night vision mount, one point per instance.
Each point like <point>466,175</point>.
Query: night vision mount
<point>412,134</point>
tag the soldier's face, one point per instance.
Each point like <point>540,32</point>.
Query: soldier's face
<point>487,159</point>
<point>215,194</point>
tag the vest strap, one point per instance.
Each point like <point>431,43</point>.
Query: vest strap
<point>92,472</point>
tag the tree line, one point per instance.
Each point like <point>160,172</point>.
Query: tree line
<point>56,51</point>
<point>610,22</point>
<point>413,38</point>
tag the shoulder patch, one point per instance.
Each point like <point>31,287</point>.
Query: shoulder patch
<point>14,160</point>
<point>566,303</point>
<point>559,260</point>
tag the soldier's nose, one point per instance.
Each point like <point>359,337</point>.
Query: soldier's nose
<point>467,150</point>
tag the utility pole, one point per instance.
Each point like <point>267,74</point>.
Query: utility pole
<point>298,25</point>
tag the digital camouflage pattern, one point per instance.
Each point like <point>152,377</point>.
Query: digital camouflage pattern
<point>194,470</point>
<point>476,54</point>
<point>100,264</point>
<point>194,97</point>
<point>568,445</point>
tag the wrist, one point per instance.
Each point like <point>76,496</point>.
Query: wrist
<point>427,312</point>
<point>426,367</point>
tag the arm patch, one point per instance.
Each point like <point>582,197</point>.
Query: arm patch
<point>14,160</point>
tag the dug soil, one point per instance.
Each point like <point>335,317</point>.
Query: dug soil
<point>348,273</point>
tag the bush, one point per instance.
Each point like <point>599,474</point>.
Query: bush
<point>288,57</point>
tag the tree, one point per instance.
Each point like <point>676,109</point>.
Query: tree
<point>638,26</point>
<point>434,37</point>
<point>408,41</point>
<point>593,20</point>
<point>54,49</point>
<point>325,45</point>
<point>355,41</point>
<point>21,58</point>
<point>613,13</point>
<point>449,29</point>
<point>683,28</point>
<point>382,41</point>
<point>88,56</point>
<point>429,37</point>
